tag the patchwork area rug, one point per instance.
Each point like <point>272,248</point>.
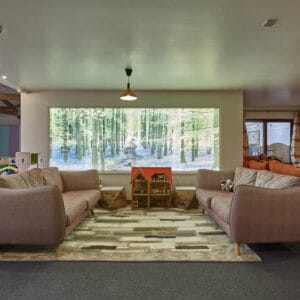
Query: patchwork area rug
<point>136,235</point>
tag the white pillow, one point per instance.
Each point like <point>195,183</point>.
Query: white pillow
<point>283,182</point>
<point>244,176</point>
<point>263,178</point>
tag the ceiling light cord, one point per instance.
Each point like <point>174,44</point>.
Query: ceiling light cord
<point>128,94</point>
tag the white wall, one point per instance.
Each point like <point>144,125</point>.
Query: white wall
<point>35,120</point>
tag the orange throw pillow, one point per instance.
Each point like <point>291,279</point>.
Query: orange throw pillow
<point>247,159</point>
<point>258,165</point>
<point>281,168</point>
<point>246,164</point>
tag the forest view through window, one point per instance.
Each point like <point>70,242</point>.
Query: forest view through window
<point>116,139</point>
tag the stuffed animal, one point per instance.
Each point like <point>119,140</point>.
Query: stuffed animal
<point>227,185</point>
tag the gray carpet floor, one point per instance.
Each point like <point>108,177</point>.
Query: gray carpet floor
<point>277,277</point>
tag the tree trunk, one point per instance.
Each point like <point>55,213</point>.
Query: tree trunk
<point>101,143</point>
<point>94,142</point>
<point>166,135</point>
<point>171,142</point>
<point>197,145</point>
<point>118,136</point>
<point>159,136</point>
<point>216,139</point>
<point>78,137</point>
<point>65,134</point>
<point>112,133</point>
<point>86,146</point>
<point>153,132</point>
<point>193,142</point>
<point>182,146</point>
<point>144,129</point>
<point>123,128</point>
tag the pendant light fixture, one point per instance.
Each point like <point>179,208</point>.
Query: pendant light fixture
<point>128,94</point>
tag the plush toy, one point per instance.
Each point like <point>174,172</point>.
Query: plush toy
<point>227,185</point>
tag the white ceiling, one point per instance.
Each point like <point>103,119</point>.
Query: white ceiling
<point>171,44</point>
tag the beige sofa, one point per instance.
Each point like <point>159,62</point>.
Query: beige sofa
<point>264,207</point>
<point>42,206</point>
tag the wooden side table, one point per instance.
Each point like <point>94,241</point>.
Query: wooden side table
<point>113,197</point>
<point>185,197</point>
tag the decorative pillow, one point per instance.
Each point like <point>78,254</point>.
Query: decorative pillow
<point>263,177</point>
<point>247,159</point>
<point>14,181</point>
<point>52,177</point>
<point>33,177</point>
<point>227,185</point>
<point>283,182</point>
<point>244,176</point>
<point>258,165</point>
<point>281,168</point>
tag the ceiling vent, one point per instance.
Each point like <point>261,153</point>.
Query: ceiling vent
<point>269,23</point>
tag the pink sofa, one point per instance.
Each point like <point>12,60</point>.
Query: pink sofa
<point>252,213</point>
<point>42,206</point>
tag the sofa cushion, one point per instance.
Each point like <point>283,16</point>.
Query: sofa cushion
<point>90,196</point>
<point>244,176</point>
<point>74,207</point>
<point>269,179</point>
<point>33,177</point>
<point>281,168</point>
<point>283,182</point>
<point>221,206</point>
<point>205,196</point>
<point>52,177</point>
<point>263,177</point>
<point>80,180</point>
<point>13,181</point>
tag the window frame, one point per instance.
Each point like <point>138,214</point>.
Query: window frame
<point>265,129</point>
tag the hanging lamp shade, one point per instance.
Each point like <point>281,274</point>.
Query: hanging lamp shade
<point>128,94</point>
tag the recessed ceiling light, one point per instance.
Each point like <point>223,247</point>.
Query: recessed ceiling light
<point>4,77</point>
<point>269,22</point>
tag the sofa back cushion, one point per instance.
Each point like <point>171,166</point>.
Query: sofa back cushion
<point>13,181</point>
<point>283,182</point>
<point>80,180</point>
<point>33,177</point>
<point>52,177</point>
<point>263,177</point>
<point>281,168</point>
<point>272,180</point>
<point>244,176</point>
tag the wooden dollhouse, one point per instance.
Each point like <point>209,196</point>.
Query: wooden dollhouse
<point>151,187</point>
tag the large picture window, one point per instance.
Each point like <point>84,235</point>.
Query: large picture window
<point>115,139</point>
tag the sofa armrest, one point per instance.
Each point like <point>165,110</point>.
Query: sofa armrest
<point>209,179</point>
<point>34,216</point>
<point>80,180</point>
<point>263,215</point>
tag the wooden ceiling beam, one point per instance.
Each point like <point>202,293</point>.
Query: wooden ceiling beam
<point>9,111</point>
<point>7,103</point>
<point>5,96</point>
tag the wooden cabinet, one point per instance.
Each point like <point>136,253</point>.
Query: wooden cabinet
<point>151,187</point>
